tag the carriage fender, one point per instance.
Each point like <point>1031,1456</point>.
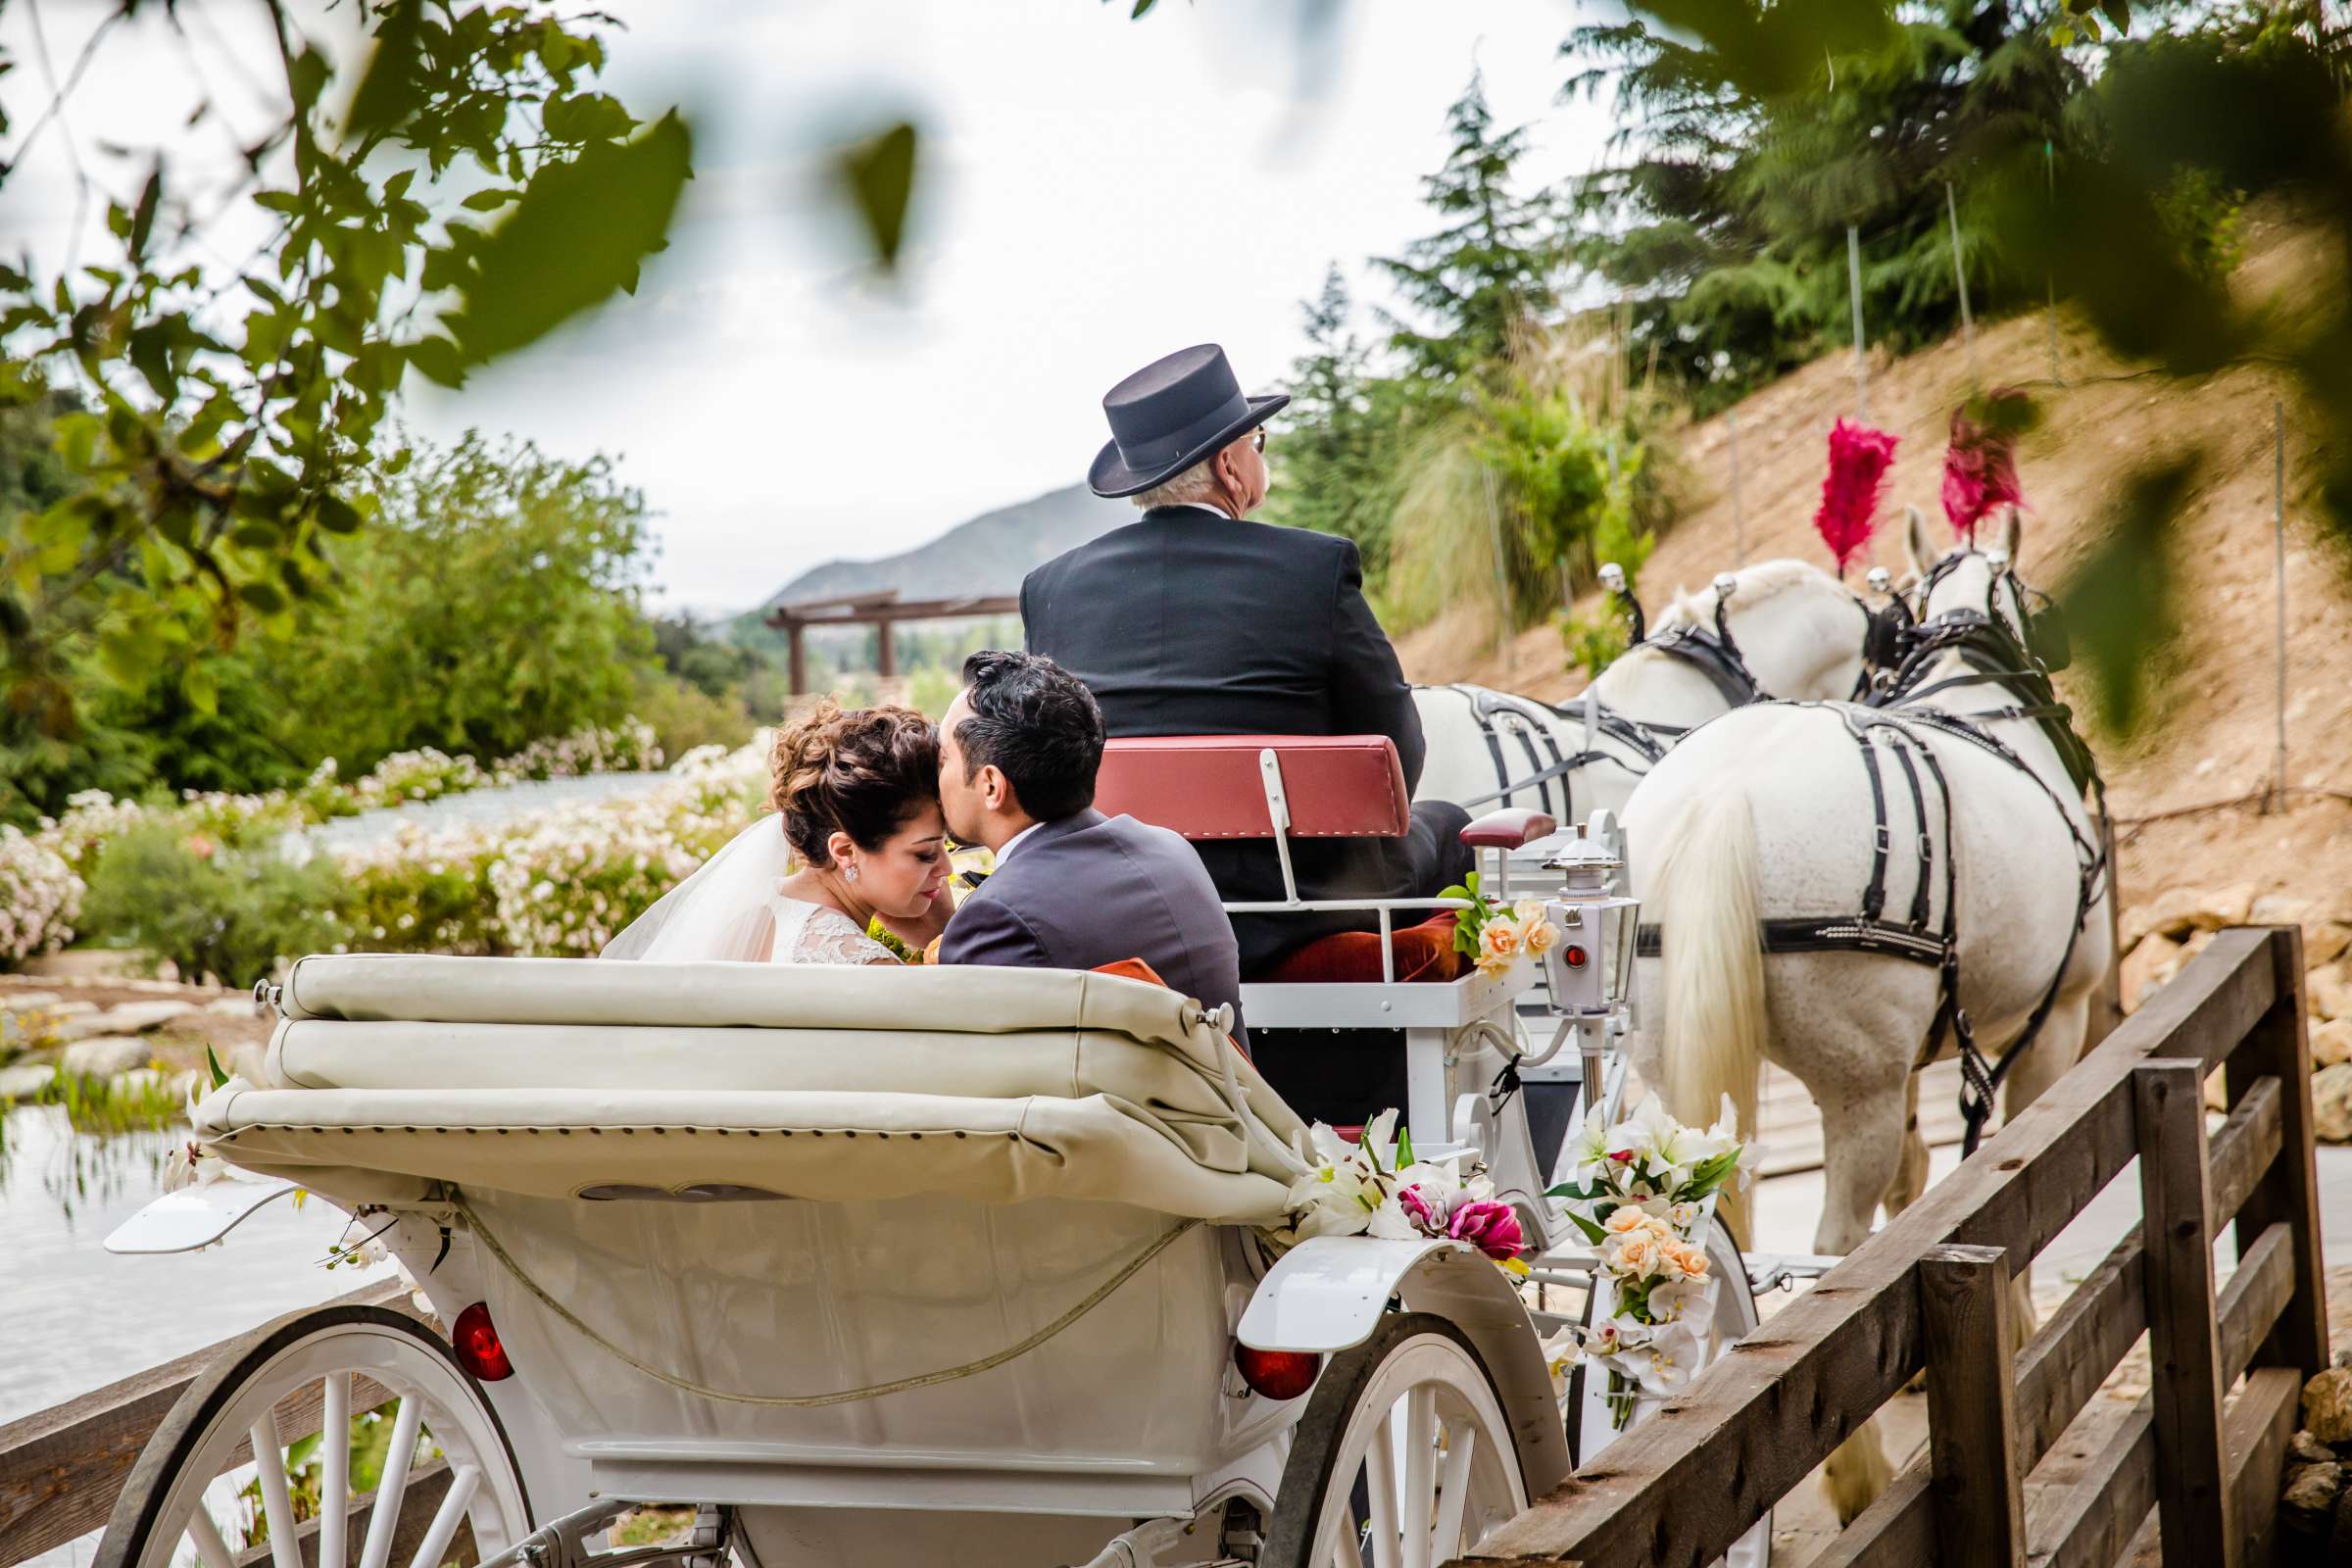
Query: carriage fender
<point>1328,1294</point>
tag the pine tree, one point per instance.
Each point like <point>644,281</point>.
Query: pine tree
<point>1492,267</point>
<point>1330,452</point>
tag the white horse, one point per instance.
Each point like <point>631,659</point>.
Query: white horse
<point>1768,814</point>
<point>1797,630</point>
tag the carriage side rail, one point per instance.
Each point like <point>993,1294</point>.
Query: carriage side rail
<point>2203,1450</point>
<point>62,1468</point>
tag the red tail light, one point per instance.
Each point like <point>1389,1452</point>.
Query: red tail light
<point>1277,1374</point>
<point>476,1340</point>
<point>1573,955</point>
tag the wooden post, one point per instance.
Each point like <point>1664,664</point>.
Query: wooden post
<point>1972,1407</point>
<point>2184,1353</point>
<point>796,635</point>
<point>886,660</point>
<point>2278,1045</point>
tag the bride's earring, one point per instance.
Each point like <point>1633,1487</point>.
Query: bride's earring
<point>849,872</point>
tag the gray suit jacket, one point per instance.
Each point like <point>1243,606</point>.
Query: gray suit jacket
<point>1090,890</point>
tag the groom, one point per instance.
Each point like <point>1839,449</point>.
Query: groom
<point>1072,889</point>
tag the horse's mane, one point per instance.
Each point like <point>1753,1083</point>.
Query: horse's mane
<point>1765,580</point>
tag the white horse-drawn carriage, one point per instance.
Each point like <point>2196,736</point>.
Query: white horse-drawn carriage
<point>950,1265</point>
<point>906,1265</point>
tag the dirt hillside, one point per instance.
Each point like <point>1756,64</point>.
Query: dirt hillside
<point>2213,738</point>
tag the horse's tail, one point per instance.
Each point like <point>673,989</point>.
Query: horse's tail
<point>1708,907</point>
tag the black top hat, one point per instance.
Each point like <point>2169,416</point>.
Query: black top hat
<point>1170,415</point>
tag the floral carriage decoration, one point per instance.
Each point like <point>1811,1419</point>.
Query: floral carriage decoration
<point>1493,937</point>
<point>1350,1191</point>
<point>1641,1192</point>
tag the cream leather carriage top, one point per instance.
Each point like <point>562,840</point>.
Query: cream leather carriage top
<point>559,1077</point>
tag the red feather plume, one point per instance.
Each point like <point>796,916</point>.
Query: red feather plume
<point>1979,476</point>
<point>1859,457</point>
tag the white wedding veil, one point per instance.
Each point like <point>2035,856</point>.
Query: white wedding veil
<point>723,911</point>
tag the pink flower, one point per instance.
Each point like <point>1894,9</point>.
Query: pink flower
<point>1490,1227</point>
<point>1859,457</point>
<point>1429,1218</point>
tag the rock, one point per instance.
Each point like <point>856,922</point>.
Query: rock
<point>96,964</point>
<point>2308,1508</point>
<point>105,1055</point>
<point>2149,964</point>
<point>2277,909</point>
<point>2304,1449</point>
<point>2326,941</point>
<point>2331,1121</point>
<point>2178,912</point>
<point>2328,989</point>
<point>24,1080</point>
<point>28,1001</point>
<point>239,1006</point>
<point>138,1017</point>
<point>2330,1041</point>
<point>2327,1405</point>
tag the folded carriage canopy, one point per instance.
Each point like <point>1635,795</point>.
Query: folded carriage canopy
<point>557,1078</point>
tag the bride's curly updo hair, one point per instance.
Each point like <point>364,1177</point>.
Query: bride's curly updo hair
<point>862,772</point>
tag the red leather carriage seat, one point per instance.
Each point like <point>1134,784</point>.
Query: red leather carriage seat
<point>1211,787</point>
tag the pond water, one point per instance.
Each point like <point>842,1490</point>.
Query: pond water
<point>77,1316</point>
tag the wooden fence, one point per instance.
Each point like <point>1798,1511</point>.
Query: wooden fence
<point>2203,1450</point>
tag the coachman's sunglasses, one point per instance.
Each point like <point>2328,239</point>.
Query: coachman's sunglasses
<point>1257,438</point>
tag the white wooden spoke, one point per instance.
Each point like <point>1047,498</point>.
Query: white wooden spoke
<point>1345,1550</point>
<point>334,1483</point>
<point>270,1467</point>
<point>1453,1488</point>
<point>210,1546</point>
<point>1419,1499</point>
<point>1380,1480</point>
<point>384,1516</point>
<point>447,1517</point>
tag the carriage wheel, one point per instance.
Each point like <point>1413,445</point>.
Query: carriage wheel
<point>1589,1424</point>
<point>1403,1458</point>
<point>187,1500</point>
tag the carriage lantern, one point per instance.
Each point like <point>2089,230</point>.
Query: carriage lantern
<point>1591,967</point>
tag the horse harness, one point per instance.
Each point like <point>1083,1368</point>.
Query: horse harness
<point>1712,652</point>
<point>1894,719</point>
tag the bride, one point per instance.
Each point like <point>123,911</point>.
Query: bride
<point>857,804</point>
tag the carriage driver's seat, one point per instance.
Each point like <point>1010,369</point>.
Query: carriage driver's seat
<point>1285,787</point>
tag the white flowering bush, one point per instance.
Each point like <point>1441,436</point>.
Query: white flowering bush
<point>40,896</point>
<point>419,775</point>
<point>629,747</point>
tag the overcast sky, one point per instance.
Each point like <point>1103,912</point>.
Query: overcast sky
<point>1095,192</point>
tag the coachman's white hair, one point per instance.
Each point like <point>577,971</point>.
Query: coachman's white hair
<point>1195,486</point>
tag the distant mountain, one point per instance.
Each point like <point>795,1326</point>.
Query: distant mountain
<point>988,555</point>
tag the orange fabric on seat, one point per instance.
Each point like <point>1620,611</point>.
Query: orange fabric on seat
<point>1423,951</point>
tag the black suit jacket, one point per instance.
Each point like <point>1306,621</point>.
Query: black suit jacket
<point>1090,890</point>
<point>1186,622</point>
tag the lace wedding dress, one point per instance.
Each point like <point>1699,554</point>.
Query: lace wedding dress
<point>811,933</point>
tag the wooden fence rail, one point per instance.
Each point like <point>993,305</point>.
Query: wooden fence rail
<point>2203,1451</point>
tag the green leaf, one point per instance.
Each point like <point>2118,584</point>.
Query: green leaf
<point>488,201</point>
<point>2118,12</point>
<point>390,91</point>
<point>307,77</point>
<point>201,688</point>
<point>262,597</point>
<point>1404,1146</point>
<point>878,176</point>
<point>142,224</point>
<point>2119,600</point>
<point>213,1068</point>
<point>577,236</point>
<point>338,516</point>
<point>1593,1232</point>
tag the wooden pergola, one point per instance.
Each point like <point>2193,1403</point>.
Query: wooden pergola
<point>881,610</point>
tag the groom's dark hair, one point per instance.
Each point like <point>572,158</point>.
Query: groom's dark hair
<point>1036,723</point>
